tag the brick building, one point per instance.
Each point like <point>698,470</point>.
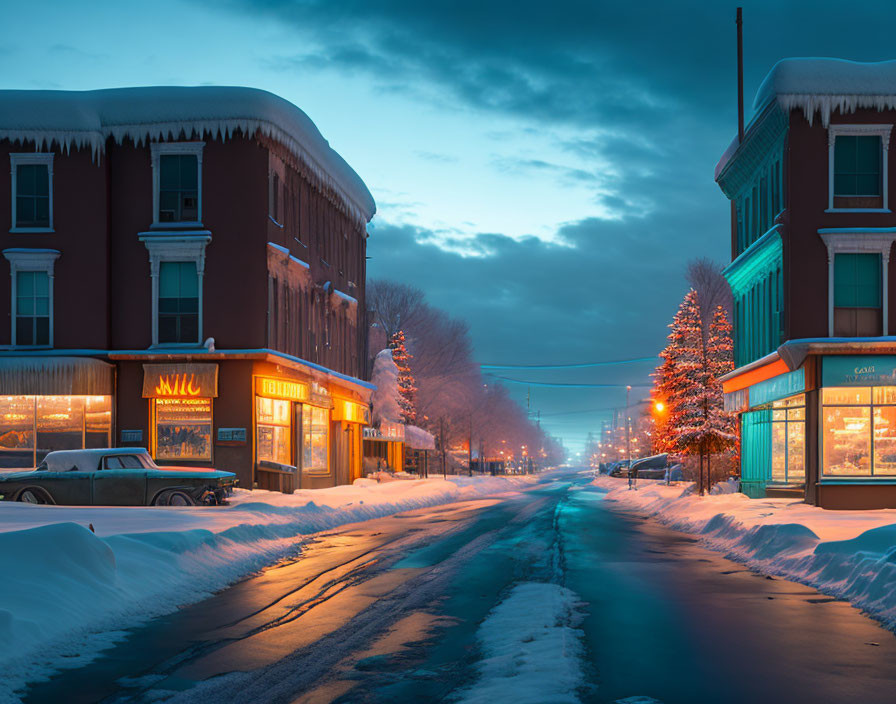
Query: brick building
<point>186,273</point>
<point>811,237</point>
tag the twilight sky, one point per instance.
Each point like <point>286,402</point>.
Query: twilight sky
<point>543,170</point>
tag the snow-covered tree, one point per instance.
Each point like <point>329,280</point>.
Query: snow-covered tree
<point>687,382</point>
<point>407,388</point>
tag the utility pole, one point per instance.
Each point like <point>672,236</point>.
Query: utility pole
<point>628,436</point>
<point>470,446</point>
<point>442,445</point>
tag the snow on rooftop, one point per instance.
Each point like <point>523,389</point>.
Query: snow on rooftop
<point>86,119</point>
<point>825,85</point>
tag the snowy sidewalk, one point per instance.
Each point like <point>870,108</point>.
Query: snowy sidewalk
<point>848,554</point>
<point>66,592</point>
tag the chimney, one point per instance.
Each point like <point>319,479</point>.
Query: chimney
<point>740,75</point>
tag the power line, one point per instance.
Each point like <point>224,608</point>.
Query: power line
<point>582,365</point>
<point>563,385</point>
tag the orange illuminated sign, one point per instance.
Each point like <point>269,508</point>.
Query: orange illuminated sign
<point>181,385</point>
<point>351,412</point>
<point>281,389</point>
<point>180,380</point>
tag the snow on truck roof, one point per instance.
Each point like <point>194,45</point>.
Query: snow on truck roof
<point>88,118</point>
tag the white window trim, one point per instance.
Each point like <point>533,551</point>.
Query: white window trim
<point>882,131</point>
<point>180,246</point>
<point>859,242</point>
<point>43,260</point>
<point>16,160</point>
<point>157,149</point>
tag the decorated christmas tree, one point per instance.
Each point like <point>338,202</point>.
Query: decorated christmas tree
<point>686,375</point>
<point>694,421</point>
<point>406,386</point>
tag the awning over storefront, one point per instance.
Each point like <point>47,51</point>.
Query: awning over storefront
<point>386,432</point>
<point>418,438</point>
<point>55,376</point>
<point>180,380</point>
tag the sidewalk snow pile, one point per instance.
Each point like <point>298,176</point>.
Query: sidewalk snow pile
<point>532,650</point>
<point>66,592</point>
<point>848,554</point>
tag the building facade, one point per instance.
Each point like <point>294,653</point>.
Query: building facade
<point>811,237</point>
<point>186,273</point>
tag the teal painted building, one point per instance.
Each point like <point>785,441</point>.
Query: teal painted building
<point>811,236</point>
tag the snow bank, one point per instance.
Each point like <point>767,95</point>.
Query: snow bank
<point>848,554</point>
<point>66,592</point>
<point>532,650</point>
<point>826,85</point>
<point>385,398</point>
<point>75,119</point>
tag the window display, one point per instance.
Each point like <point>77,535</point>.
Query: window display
<point>315,424</point>
<point>183,428</point>
<point>789,440</point>
<point>273,428</point>
<point>32,426</point>
<point>859,431</point>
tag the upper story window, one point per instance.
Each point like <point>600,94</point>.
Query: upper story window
<point>32,308</point>
<point>858,167</point>
<point>178,302</point>
<point>32,192</point>
<point>857,295</point>
<point>31,273</point>
<point>177,268</point>
<point>177,183</point>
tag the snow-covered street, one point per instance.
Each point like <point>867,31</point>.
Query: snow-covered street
<point>541,592</point>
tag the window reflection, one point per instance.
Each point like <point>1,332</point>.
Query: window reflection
<point>273,430</point>
<point>315,423</point>
<point>859,439</point>
<point>32,426</point>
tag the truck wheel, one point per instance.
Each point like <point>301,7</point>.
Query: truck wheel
<point>174,497</point>
<point>33,496</point>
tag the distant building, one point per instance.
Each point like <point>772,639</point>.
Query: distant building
<point>186,273</point>
<point>812,233</point>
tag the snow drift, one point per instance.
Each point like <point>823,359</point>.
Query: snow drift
<point>848,554</point>
<point>67,592</point>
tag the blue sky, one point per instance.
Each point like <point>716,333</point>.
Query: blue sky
<point>543,170</point>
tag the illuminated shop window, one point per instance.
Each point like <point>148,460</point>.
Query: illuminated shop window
<point>789,440</point>
<point>55,422</point>
<point>273,430</point>
<point>315,426</point>
<point>859,431</point>
<point>182,428</point>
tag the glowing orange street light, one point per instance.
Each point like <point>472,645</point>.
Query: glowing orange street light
<point>659,406</point>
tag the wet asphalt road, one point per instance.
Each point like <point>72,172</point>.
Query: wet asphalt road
<point>387,611</point>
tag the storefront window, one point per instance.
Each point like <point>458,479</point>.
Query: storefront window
<point>55,422</point>
<point>789,440</point>
<point>315,424</point>
<point>17,431</point>
<point>97,421</point>
<point>60,424</point>
<point>859,431</point>
<point>183,428</point>
<point>273,426</point>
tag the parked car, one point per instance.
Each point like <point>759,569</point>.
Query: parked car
<point>619,468</point>
<point>114,477</point>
